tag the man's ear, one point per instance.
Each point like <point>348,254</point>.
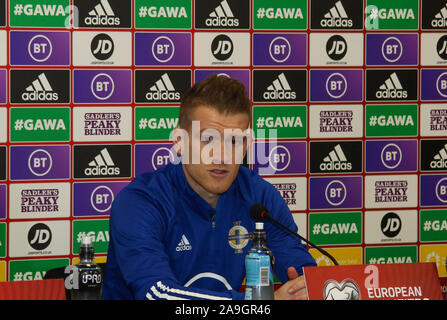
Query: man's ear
<point>176,140</point>
<point>180,140</point>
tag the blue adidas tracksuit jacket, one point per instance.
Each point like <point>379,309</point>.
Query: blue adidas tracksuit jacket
<point>166,242</point>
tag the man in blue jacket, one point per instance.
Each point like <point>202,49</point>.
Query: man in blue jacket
<point>182,232</point>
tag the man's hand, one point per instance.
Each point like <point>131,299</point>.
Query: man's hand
<point>294,289</point>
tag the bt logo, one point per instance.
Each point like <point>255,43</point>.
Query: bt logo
<point>280,49</point>
<point>441,84</point>
<point>163,49</point>
<point>336,85</point>
<point>392,49</point>
<point>279,158</point>
<point>391,156</point>
<point>101,198</point>
<point>162,156</point>
<point>102,86</point>
<point>40,48</point>
<point>40,162</point>
<point>441,190</point>
<point>335,192</point>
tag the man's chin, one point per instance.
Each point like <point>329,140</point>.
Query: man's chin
<point>217,188</point>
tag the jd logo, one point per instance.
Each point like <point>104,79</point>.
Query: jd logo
<point>391,224</point>
<point>39,236</point>
<point>102,46</point>
<point>336,47</point>
<point>222,47</point>
<point>441,47</point>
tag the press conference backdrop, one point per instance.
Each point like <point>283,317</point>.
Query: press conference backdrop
<point>357,91</point>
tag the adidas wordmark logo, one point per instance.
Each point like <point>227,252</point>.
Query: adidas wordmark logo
<point>102,15</point>
<point>392,88</point>
<point>183,245</point>
<point>102,165</point>
<point>336,160</point>
<point>222,16</point>
<point>440,160</point>
<point>440,19</point>
<point>279,89</point>
<point>163,89</point>
<point>40,90</point>
<point>336,17</point>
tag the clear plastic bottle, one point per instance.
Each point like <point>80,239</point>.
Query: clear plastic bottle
<point>259,263</point>
<point>89,274</point>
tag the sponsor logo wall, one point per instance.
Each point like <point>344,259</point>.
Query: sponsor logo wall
<point>355,89</point>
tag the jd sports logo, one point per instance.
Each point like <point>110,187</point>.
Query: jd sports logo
<point>222,47</point>
<point>391,225</point>
<point>103,13</point>
<point>279,85</point>
<point>40,86</point>
<point>336,47</point>
<point>2,163</point>
<point>97,161</point>
<point>336,157</point>
<point>161,86</point>
<point>226,14</point>
<point>39,236</point>
<point>434,14</point>
<point>433,155</point>
<point>390,85</point>
<point>441,47</point>
<point>339,14</point>
<point>102,46</point>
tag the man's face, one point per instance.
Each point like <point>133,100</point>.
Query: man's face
<point>214,170</point>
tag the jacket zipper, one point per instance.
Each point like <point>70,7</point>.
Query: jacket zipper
<point>213,222</point>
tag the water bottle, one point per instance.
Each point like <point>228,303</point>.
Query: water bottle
<point>88,282</point>
<point>259,263</point>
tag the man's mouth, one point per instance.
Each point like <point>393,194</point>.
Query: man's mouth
<point>218,172</point>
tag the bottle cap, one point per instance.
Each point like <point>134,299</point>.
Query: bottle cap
<point>259,225</point>
<point>86,241</point>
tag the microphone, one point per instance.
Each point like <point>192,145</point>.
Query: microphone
<point>259,212</point>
